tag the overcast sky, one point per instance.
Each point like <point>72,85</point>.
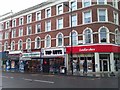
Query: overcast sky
<point>16,5</point>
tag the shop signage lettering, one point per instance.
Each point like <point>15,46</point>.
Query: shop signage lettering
<point>53,52</point>
<point>37,54</point>
<point>87,49</point>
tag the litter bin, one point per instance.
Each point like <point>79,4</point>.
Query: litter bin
<point>63,70</point>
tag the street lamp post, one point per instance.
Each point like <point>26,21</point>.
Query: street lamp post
<point>71,54</point>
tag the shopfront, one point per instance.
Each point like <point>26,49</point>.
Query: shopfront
<point>30,62</point>
<point>53,59</point>
<point>100,58</point>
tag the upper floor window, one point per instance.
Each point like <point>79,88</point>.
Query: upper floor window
<point>38,15</point>
<point>14,23</point>
<point>59,9</point>
<point>115,17</point>
<point>115,3</point>
<point>86,3</point>
<point>38,28</point>
<point>29,30</point>
<point>101,2</point>
<point>87,17</point>
<point>103,35</point>
<point>1,36</point>
<point>29,18</point>
<point>20,32</point>
<point>48,25</point>
<point>73,5</point>
<point>0,46</point>
<point>59,40</point>
<point>74,20</point>
<point>13,33</point>
<point>21,21</point>
<point>5,45</point>
<point>1,26</point>
<point>37,42</point>
<point>48,41</point>
<point>60,23</point>
<point>28,44</point>
<point>74,38</point>
<point>7,24</point>
<point>102,15</point>
<point>117,36</point>
<point>48,12</point>
<point>20,45</point>
<point>87,36</point>
<point>12,45</point>
<point>6,35</point>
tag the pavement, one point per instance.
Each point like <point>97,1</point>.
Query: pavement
<point>78,74</point>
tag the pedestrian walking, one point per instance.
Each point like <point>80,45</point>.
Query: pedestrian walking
<point>78,66</point>
<point>85,67</point>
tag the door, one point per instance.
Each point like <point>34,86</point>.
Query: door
<point>104,65</point>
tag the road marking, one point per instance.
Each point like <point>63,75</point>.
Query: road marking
<point>28,79</point>
<point>44,81</point>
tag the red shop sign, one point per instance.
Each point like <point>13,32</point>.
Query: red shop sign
<point>93,48</point>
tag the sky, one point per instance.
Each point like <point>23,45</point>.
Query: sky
<point>17,5</point>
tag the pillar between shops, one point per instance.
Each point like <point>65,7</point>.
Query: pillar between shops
<point>97,64</point>
<point>112,62</point>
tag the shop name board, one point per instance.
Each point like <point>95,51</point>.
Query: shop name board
<point>87,49</point>
<point>37,54</point>
<point>54,52</point>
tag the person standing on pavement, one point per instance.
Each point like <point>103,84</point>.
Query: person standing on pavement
<point>85,67</point>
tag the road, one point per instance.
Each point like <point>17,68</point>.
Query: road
<point>23,80</point>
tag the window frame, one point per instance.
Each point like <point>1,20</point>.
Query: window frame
<point>89,17</point>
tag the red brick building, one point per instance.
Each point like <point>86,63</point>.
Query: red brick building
<point>42,34</point>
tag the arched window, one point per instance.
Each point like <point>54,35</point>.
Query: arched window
<point>37,42</point>
<point>87,38</point>
<point>103,35</point>
<point>5,45</point>
<point>74,38</point>
<point>28,44</point>
<point>59,40</point>
<point>48,41</point>
<point>13,45</point>
<point>20,44</point>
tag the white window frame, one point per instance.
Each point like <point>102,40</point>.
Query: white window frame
<point>6,35</point>
<point>106,17</point>
<point>57,40</point>
<point>105,2</point>
<point>37,15</point>
<point>84,5</point>
<point>14,23</point>
<point>71,5</point>
<point>117,22</point>
<point>90,16</point>
<point>36,42</point>
<point>37,28</point>
<point>46,41</point>
<point>7,24</point>
<point>46,13</point>
<point>28,31</point>
<point>73,20</point>
<point>108,36</point>
<point>57,10</point>
<point>20,30</point>
<point>13,33</point>
<point>5,46</point>
<point>19,45</point>
<point>27,43</point>
<point>30,18</point>
<point>47,25</point>
<point>21,21</point>
<point>60,23</point>
<point>72,37</point>
<point>90,35</point>
<point>115,3</point>
<point>12,44</point>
